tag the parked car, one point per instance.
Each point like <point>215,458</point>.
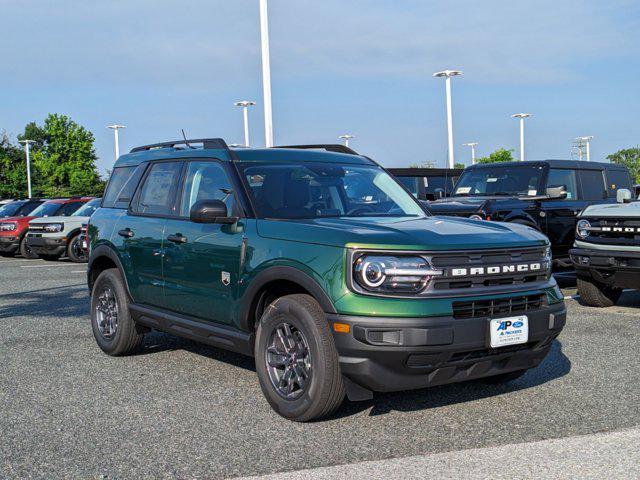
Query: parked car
<point>13,230</point>
<point>19,208</point>
<point>545,195</point>
<point>607,250</point>
<point>51,237</point>
<point>264,252</point>
<point>4,201</point>
<point>427,183</point>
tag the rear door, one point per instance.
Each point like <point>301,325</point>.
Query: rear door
<point>141,231</point>
<point>201,262</point>
<point>560,214</point>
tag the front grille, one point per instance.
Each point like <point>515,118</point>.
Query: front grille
<point>612,231</point>
<point>36,228</point>
<point>498,306</point>
<point>471,261</point>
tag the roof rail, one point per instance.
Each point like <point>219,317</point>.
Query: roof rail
<point>329,147</point>
<point>213,143</point>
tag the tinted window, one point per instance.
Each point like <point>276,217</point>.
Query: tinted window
<point>617,179</point>
<point>500,180</point>
<point>47,209</point>
<point>205,181</point>
<point>411,183</point>
<point>311,190</point>
<point>11,209</point>
<point>157,194</point>
<point>87,209</point>
<point>69,208</point>
<point>592,185</point>
<point>122,186</point>
<point>565,177</point>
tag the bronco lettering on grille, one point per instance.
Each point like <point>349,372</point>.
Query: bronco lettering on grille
<point>497,269</point>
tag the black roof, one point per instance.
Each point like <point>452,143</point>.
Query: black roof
<point>572,164</point>
<point>424,172</point>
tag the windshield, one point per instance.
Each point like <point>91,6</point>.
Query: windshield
<point>47,209</point>
<point>515,181</point>
<point>314,190</point>
<point>11,209</point>
<point>411,183</point>
<point>88,208</point>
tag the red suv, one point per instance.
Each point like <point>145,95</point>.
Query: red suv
<point>13,230</point>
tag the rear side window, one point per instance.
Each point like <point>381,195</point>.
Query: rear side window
<point>592,185</point>
<point>617,179</point>
<point>68,208</point>
<point>122,186</point>
<point>566,178</point>
<point>157,195</point>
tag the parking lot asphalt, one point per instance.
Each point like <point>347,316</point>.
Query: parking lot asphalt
<point>178,409</point>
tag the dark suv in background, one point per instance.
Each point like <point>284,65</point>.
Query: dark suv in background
<point>427,183</point>
<point>546,195</point>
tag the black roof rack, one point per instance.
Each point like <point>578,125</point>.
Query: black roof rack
<point>212,143</point>
<point>329,147</point>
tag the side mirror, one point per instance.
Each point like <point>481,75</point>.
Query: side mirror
<point>210,211</point>
<point>623,196</point>
<point>556,192</point>
<point>438,193</point>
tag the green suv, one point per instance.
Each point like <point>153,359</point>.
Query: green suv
<point>321,266</point>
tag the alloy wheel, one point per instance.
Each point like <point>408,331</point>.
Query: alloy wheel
<point>288,361</point>
<point>107,313</point>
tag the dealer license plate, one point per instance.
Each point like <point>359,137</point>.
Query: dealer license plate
<point>509,331</point>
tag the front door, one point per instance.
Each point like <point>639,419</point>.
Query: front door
<point>201,262</point>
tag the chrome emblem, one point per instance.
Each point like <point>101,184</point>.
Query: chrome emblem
<point>226,278</point>
<point>496,270</point>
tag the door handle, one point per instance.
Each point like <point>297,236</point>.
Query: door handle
<point>126,233</point>
<point>177,238</point>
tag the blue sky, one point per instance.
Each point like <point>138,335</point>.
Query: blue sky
<point>362,67</point>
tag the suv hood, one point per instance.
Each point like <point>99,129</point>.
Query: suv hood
<point>612,210</point>
<point>469,205</point>
<point>431,233</point>
<point>60,219</point>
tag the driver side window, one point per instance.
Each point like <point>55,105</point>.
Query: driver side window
<point>205,180</point>
<point>566,177</point>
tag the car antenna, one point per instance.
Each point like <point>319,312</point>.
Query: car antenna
<point>186,142</point>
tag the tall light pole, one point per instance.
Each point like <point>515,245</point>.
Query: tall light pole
<point>473,146</point>
<point>245,104</point>
<point>447,74</point>
<point>521,116</point>
<point>26,151</point>
<point>116,139</point>
<point>266,74</point>
<point>586,141</point>
<point>346,137</point>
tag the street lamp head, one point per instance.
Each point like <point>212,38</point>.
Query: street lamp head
<point>26,142</point>
<point>470,144</point>
<point>244,103</point>
<point>116,126</point>
<point>347,136</point>
<point>448,73</point>
<point>585,138</point>
<point>520,115</point>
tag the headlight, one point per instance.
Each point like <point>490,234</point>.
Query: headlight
<point>581,228</point>
<point>475,216</point>
<point>53,227</point>
<point>390,274</point>
<point>7,227</point>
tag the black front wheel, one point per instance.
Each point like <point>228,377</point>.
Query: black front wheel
<point>76,252</point>
<point>596,294</point>
<point>296,359</point>
<point>25,250</point>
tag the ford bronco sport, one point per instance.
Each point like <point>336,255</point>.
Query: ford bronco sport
<point>13,230</point>
<point>51,237</point>
<point>607,251</point>
<point>321,266</point>
<point>546,195</point>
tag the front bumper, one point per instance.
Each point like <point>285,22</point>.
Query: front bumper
<point>392,354</point>
<point>47,245</point>
<point>611,267</point>
<point>9,243</point>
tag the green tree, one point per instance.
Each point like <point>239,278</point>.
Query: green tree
<point>64,158</point>
<point>630,157</point>
<point>500,155</point>
<point>13,169</point>
<point>459,165</point>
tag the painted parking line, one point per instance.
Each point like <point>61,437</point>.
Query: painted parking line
<point>47,265</point>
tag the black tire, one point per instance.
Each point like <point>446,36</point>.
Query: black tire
<point>127,336</point>
<point>7,254</point>
<point>49,258</point>
<point>25,251</point>
<point>75,252</point>
<point>503,377</point>
<point>324,390</point>
<point>596,294</point>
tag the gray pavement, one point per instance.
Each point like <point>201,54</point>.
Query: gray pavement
<point>182,410</point>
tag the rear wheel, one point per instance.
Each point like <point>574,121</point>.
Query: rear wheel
<point>25,250</point>
<point>75,252</point>
<point>113,327</point>
<point>596,294</point>
<point>296,359</point>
